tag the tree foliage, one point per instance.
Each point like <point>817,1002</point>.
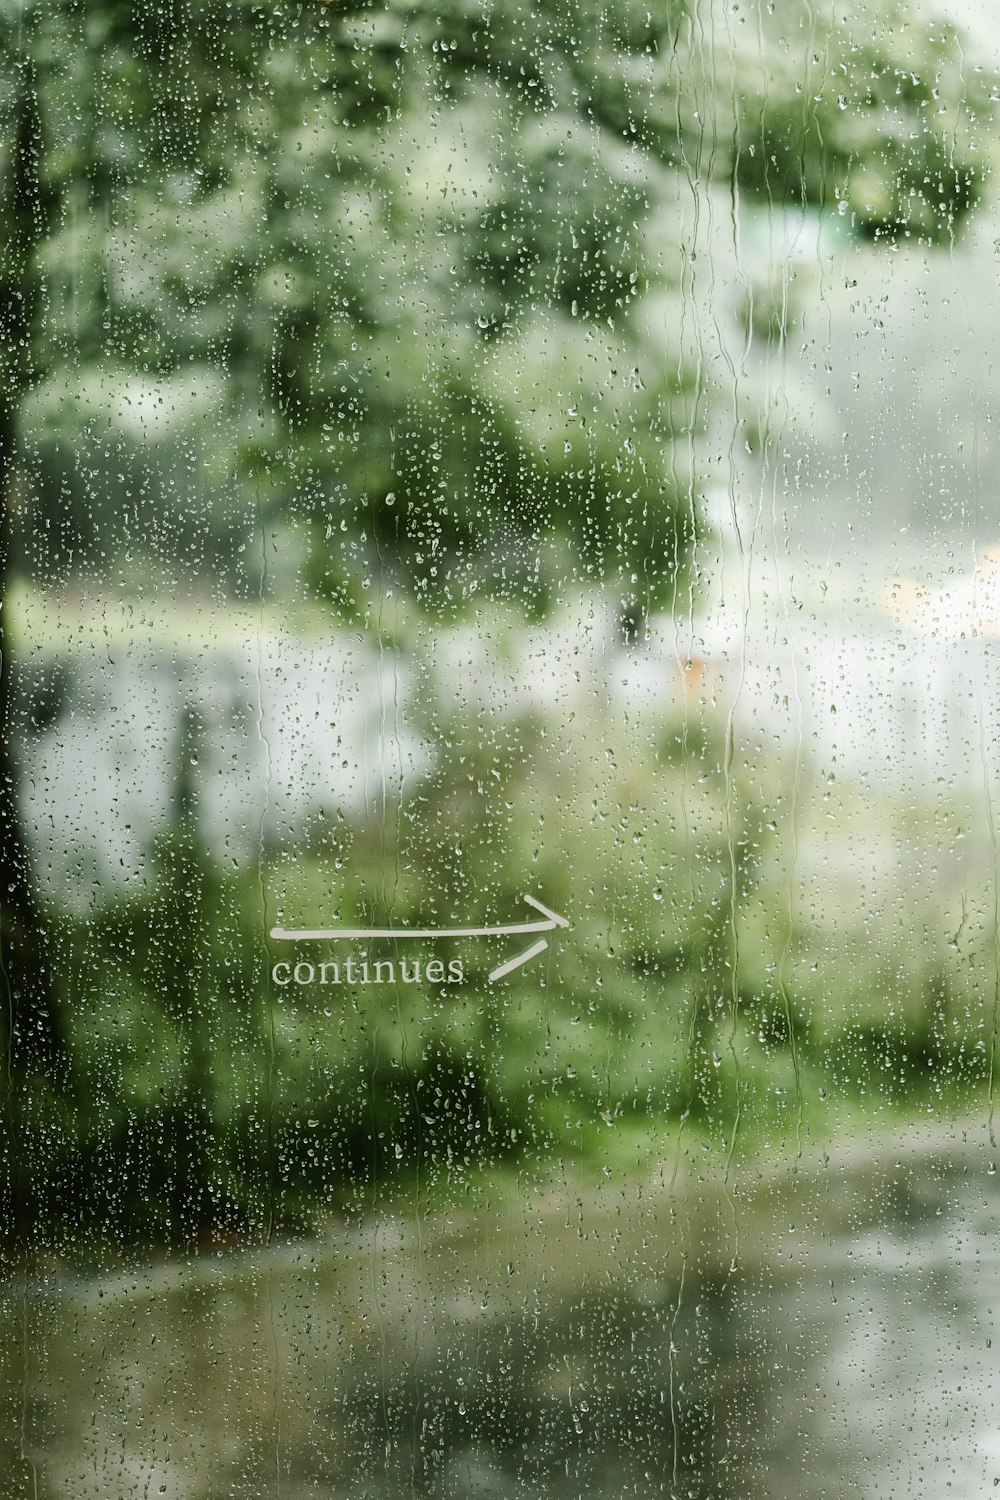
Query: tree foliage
<point>383,280</point>
<point>340,301</point>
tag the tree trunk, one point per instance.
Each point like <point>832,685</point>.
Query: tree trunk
<point>30,1025</point>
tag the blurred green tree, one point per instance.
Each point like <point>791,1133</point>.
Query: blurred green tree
<point>371,297</point>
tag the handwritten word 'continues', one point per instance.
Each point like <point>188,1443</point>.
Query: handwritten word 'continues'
<point>363,971</point>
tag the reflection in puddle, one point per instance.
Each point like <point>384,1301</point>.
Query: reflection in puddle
<point>598,1350</point>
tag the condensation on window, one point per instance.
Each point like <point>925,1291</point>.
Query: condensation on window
<point>499,722</point>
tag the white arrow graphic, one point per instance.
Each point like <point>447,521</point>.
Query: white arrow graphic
<point>551,921</point>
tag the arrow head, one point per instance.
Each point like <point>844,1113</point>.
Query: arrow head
<point>556,921</point>
<point>522,958</point>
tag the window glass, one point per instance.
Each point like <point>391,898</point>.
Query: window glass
<point>500,577</point>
